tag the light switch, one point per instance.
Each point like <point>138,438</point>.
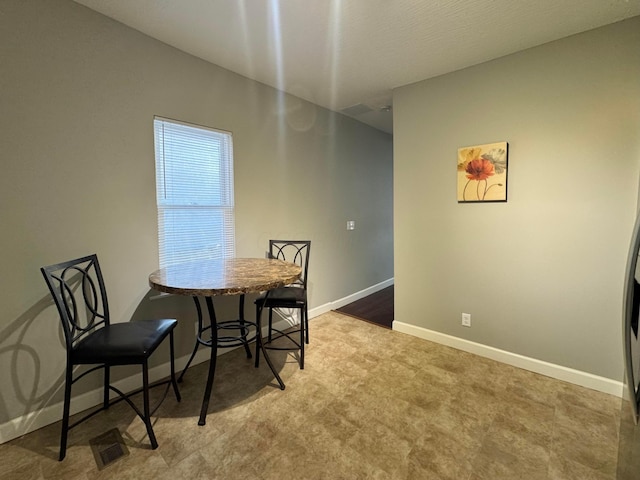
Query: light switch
<point>351,225</point>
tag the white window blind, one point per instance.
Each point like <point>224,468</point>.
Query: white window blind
<point>194,192</point>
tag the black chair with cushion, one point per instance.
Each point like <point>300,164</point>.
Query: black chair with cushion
<point>79,294</point>
<point>292,296</point>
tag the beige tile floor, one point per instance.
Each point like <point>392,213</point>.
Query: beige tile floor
<point>370,404</point>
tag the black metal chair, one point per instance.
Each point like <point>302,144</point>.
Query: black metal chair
<point>79,293</point>
<point>292,296</point>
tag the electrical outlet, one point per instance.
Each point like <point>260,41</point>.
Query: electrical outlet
<point>466,319</point>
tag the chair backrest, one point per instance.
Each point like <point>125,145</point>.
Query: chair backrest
<point>78,291</point>
<point>295,251</point>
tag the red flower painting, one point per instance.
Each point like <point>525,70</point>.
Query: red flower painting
<point>479,169</point>
<point>480,164</point>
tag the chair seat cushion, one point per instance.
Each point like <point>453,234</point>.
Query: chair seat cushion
<point>122,343</point>
<point>284,296</point>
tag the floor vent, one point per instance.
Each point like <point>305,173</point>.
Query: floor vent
<point>108,447</point>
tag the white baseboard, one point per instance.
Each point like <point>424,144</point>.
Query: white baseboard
<point>327,307</point>
<point>52,413</point>
<point>559,372</point>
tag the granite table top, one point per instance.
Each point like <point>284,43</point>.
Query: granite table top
<point>231,276</point>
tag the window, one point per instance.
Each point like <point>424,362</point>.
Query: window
<point>194,192</point>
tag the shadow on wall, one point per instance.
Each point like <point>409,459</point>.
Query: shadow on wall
<point>33,361</point>
<point>30,381</point>
<point>32,366</point>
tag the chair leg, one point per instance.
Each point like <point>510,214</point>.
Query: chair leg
<point>107,382</point>
<point>258,334</point>
<point>147,411</point>
<point>65,413</point>
<point>270,323</point>
<point>302,337</point>
<point>306,323</point>
<point>173,368</point>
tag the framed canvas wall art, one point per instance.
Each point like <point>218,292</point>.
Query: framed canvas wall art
<point>482,173</point>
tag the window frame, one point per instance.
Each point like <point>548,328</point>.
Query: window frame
<point>195,198</point>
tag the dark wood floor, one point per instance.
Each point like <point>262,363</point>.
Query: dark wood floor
<point>376,308</point>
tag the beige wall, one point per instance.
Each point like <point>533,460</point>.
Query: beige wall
<point>542,275</point>
<point>78,93</point>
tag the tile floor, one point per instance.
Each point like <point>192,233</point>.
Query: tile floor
<point>370,404</point>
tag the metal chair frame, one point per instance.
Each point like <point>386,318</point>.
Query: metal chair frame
<point>296,251</point>
<point>79,293</point>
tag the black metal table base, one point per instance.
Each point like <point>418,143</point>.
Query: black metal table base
<point>217,340</point>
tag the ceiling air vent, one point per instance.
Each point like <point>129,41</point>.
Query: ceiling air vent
<point>357,109</point>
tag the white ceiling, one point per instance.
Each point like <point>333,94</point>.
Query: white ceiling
<point>345,53</point>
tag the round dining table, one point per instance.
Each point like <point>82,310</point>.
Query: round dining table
<point>231,276</point>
